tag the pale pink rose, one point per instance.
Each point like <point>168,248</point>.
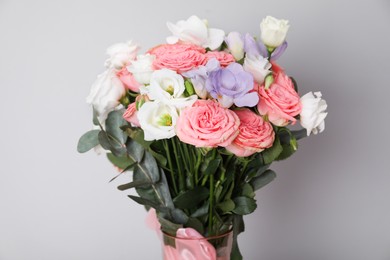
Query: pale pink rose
<point>128,80</point>
<point>164,48</point>
<point>255,134</point>
<point>207,124</point>
<point>280,102</point>
<point>178,57</point>
<point>223,57</point>
<point>130,115</point>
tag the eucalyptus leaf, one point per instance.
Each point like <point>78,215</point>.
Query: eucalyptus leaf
<point>95,119</point>
<point>262,180</point>
<point>113,123</point>
<point>244,205</point>
<point>143,201</point>
<point>191,198</point>
<point>133,184</point>
<point>121,162</point>
<point>88,141</point>
<point>135,150</point>
<point>110,143</point>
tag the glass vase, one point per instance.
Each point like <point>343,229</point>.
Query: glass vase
<point>210,248</point>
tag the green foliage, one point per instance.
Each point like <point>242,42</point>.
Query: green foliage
<point>121,162</point>
<point>244,205</point>
<point>270,154</point>
<point>88,141</point>
<point>263,179</point>
<point>191,198</point>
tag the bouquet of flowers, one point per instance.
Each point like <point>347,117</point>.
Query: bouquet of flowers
<point>198,121</point>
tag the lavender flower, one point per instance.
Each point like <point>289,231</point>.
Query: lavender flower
<point>231,85</point>
<point>199,76</point>
<point>256,48</point>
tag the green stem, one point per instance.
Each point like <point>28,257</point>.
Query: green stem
<point>198,161</point>
<point>179,166</point>
<point>166,147</point>
<point>211,233</point>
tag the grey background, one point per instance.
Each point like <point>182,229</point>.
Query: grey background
<point>330,200</point>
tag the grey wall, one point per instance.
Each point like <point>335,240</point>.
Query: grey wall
<point>331,201</point>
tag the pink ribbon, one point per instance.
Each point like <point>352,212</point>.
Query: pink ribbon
<point>190,245</point>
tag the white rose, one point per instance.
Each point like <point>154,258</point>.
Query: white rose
<point>313,112</point>
<point>121,54</point>
<point>158,120</point>
<point>168,87</point>
<point>258,66</point>
<point>105,93</point>
<point>273,31</point>
<point>141,68</point>
<point>195,31</point>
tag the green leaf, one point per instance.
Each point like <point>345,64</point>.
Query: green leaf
<point>143,201</point>
<point>95,119</point>
<point>88,141</point>
<point>121,162</point>
<point>191,198</point>
<point>133,184</point>
<point>195,224</point>
<point>262,180</point>
<point>247,191</point>
<point>201,211</point>
<point>270,154</point>
<point>226,206</point>
<point>113,123</point>
<point>288,150</point>
<point>212,167</point>
<point>244,205</point>
<point>110,143</point>
<point>135,150</point>
<point>238,227</point>
<point>136,134</point>
<point>168,226</point>
<point>189,88</point>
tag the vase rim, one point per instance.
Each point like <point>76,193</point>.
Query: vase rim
<point>199,238</point>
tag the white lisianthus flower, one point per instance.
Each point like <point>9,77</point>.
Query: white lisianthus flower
<point>195,31</point>
<point>105,93</point>
<point>121,54</point>
<point>142,68</point>
<point>273,31</point>
<point>158,120</point>
<point>258,66</point>
<point>235,43</point>
<point>313,112</point>
<point>168,87</point>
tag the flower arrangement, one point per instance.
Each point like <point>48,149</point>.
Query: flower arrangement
<point>198,121</point>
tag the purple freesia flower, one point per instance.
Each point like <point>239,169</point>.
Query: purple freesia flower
<point>232,85</point>
<point>255,48</point>
<point>199,76</point>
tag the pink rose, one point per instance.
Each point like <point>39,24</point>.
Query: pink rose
<point>164,48</point>
<point>224,58</point>
<point>178,57</point>
<point>280,102</point>
<point>130,115</point>
<point>207,124</point>
<point>255,134</point>
<point>128,80</point>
